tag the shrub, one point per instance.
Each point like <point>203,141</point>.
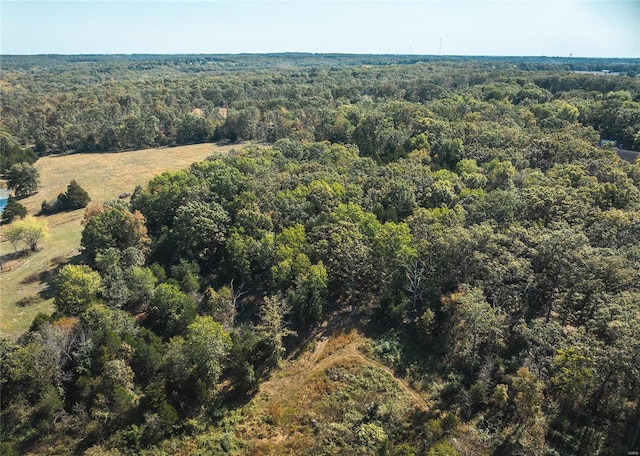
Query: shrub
<point>51,207</point>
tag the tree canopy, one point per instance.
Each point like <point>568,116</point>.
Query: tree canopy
<point>462,214</point>
<point>23,179</point>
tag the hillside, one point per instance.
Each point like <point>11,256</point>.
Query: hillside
<point>331,395</point>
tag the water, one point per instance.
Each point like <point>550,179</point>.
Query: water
<point>4,196</point>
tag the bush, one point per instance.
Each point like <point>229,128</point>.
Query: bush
<point>51,207</point>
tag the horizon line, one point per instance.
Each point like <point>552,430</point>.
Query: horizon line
<point>309,53</point>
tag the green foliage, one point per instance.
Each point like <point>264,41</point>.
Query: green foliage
<point>171,310</point>
<point>12,210</point>
<point>460,213</point>
<point>309,296</point>
<point>187,274</point>
<point>78,288</point>
<point>194,129</point>
<point>207,345</point>
<point>74,198</point>
<point>272,328</point>
<point>11,153</point>
<point>23,179</point>
<point>108,227</point>
<point>199,229</point>
<point>443,448</point>
<point>479,322</point>
<point>573,377</point>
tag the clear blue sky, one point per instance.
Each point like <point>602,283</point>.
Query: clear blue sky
<point>537,27</point>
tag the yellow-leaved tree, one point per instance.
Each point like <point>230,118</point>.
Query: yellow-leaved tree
<point>29,230</point>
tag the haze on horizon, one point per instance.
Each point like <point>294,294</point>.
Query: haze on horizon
<point>502,28</point>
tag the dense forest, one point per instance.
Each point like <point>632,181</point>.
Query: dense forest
<point>465,214</point>
<point>109,103</point>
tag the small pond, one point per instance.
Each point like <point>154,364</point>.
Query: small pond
<point>4,196</point>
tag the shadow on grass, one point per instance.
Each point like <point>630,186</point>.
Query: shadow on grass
<point>7,258</point>
<point>44,277</point>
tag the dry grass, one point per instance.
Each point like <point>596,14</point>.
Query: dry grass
<point>279,420</point>
<point>107,175</point>
<point>104,176</point>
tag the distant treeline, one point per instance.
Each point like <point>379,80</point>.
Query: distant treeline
<point>59,104</point>
<point>297,59</point>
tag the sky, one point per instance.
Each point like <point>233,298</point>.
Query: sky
<point>577,28</point>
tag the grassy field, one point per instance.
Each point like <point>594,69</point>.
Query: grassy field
<point>24,280</point>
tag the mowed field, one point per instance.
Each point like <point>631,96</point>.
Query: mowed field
<point>24,281</point>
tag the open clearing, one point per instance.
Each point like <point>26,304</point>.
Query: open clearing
<point>311,396</point>
<point>23,281</point>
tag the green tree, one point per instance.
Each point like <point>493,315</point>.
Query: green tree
<point>347,256</point>
<point>557,265</point>
<point>171,310</point>
<point>207,345</point>
<point>141,283</point>
<point>12,210</point>
<point>500,174</point>
<point>11,153</point>
<point>573,378</point>
<point>450,153</point>
<point>273,328</point>
<point>531,423</point>
<point>187,275</point>
<point>108,226</point>
<point>250,257</point>
<point>479,322</point>
<point>74,198</point>
<point>309,295</point>
<point>115,290</point>
<point>78,287</point>
<point>23,179</point>
<point>394,250</point>
<point>193,129</point>
<point>118,389</point>
<point>199,229</point>
<point>290,257</point>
